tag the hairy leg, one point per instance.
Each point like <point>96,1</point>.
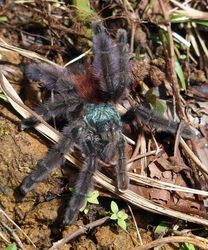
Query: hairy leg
<point>83,186</point>
<point>52,159</point>
<point>122,175</point>
<point>62,105</point>
<point>148,117</point>
<point>52,77</point>
<point>110,64</point>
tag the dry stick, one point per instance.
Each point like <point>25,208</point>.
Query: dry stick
<point>134,19</point>
<point>135,223</point>
<point>177,140</point>
<point>14,235</point>
<point>200,165</point>
<point>153,152</point>
<point>8,218</point>
<point>4,238</point>
<point>173,239</point>
<point>78,232</point>
<point>171,62</point>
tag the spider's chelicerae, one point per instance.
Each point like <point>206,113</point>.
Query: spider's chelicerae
<point>87,102</point>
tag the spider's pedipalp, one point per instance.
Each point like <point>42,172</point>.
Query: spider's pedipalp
<point>52,159</point>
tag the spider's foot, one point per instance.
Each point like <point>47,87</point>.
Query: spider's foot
<point>70,216</point>
<point>28,123</point>
<point>27,185</point>
<point>123,183</point>
<point>68,220</point>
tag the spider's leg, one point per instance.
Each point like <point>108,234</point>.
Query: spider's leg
<point>61,106</point>
<point>52,159</point>
<point>124,79</point>
<point>52,77</point>
<point>110,64</point>
<point>146,116</point>
<point>84,183</point>
<point>122,175</point>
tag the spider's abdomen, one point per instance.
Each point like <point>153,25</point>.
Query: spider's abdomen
<point>102,117</point>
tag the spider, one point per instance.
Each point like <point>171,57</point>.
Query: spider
<point>87,101</point>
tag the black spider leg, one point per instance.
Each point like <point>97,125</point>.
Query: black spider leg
<point>121,41</point>
<point>51,77</point>
<point>66,100</point>
<point>52,159</point>
<point>110,64</point>
<point>122,175</point>
<point>109,150</point>
<point>84,183</point>
<point>148,117</point>
<point>61,106</point>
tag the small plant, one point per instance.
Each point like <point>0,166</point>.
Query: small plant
<point>3,97</point>
<point>92,199</point>
<point>187,246</point>
<point>11,247</point>
<point>118,215</point>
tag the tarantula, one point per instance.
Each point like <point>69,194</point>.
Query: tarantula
<point>87,102</point>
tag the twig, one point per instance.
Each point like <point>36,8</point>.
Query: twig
<point>174,239</point>
<point>14,235</point>
<point>60,243</point>
<point>4,238</point>
<point>171,63</point>
<point>135,223</point>
<point>133,18</point>
<point>177,140</point>
<point>153,152</point>
<point>8,218</point>
<point>193,156</point>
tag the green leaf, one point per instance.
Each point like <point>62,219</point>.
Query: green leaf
<point>122,224</point>
<point>162,227</point>
<point>204,23</point>
<point>83,5</point>
<point>11,247</point>
<point>125,216</point>
<point>72,189</point>
<point>3,97</point>
<point>114,207</point>
<point>93,200</point>
<point>187,246</point>
<point>179,72</point>
<point>151,95</point>
<point>92,197</point>
<point>86,210</point>
<point>84,206</point>
<point>114,217</point>
<point>121,214</point>
<point>3,19</point>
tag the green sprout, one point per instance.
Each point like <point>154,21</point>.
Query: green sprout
<point>3,97</point>
<point>118,215</point>
<point>11,247</point>
<point>187,246</point>
<point>91,199</point>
